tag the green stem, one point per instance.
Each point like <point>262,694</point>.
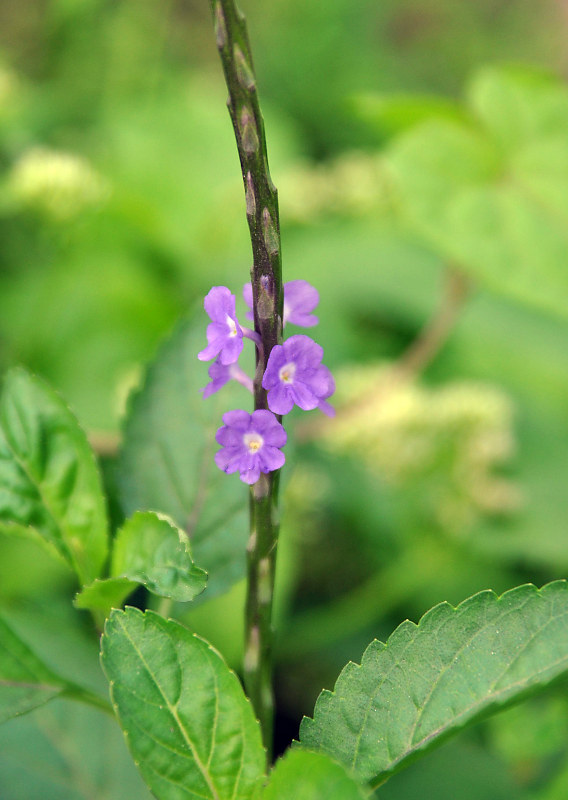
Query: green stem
<point>89,698</point>
<point>266,277</point>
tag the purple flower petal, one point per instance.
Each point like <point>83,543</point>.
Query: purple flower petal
<point>304,350</point>
<point>280,399</point>
<point>231,350</point>
<point>238,419</point>
<point>247,297</point>
<point>220,302</point>
<point>228,459</point>
<point>321,382</point>
<point>270,458</point>
<point>270,429</point>
<point>224,334</point>
<point>210,351</point>
<point>303,397</point>
<point>219,375</point>
<point>250,476</point>
<point>326,408</point>
<point>300,298</point>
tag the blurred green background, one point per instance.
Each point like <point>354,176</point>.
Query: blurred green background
<point>410,141</point>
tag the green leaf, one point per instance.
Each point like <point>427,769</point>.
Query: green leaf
<point>463,769</point>
<point>104,594</point>
<point>187,721</point>
<point>432,679</point>
<point>148,549</point>
<point>152,550</point>
<point>167,460</point>
<point>26,682</point>
<point>491,195</point>
<point>519,105</point>
<point>67,751</point>
<point>49,478</point>
<point>390,114</point>
<point>304,775</point>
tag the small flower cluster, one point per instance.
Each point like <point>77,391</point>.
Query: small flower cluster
<point>443,447</point>
<point>294,375</point>
<point>59,185</point>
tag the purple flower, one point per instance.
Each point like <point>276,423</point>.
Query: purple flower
<point>224,334</point>
<point>295,374</point>
<point>250,444</point>
<point>300,299</point>
<point>220,374</point>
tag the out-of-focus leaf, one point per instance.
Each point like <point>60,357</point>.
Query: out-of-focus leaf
<point>26,682</point>
<point>432,679</point>
<point>304,775</point>
<point>460,769</point>
<point>492,196</point>
<point>48,474</point>
<point>167,460</point>
<point>519,105</point>
<point>104,594</point>
<point>151,550</point>
<point>67,751</point>
<point>390,114</point>
<point>188,724</point>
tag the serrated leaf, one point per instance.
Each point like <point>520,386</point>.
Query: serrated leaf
<point>188,724</point>
<point>303,775</point>
<point>26,682</point>
<point>432,679</point>
<point>48,474</point>
<point>167,458</point>
<point>490,195</point>
<point>150,550</point>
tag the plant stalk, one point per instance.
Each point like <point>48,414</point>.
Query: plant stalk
<point>266,277</point>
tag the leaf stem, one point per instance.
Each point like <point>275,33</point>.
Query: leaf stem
<point>266,277</point>
<point>89,698</point>
<point>413,361</point>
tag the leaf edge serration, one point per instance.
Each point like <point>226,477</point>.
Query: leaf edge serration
<point>309,724</point>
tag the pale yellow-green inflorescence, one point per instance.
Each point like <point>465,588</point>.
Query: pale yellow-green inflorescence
<point>354,184</point>
<point>58,184</point>
<point>444,443</point>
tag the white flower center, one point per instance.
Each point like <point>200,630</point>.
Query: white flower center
<point>253,441</point>
<point>287,372</point>
<point>231,325</point>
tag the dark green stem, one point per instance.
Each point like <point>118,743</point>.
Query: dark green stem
<point>266,276</point>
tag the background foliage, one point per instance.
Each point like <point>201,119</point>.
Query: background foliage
<point>392,128</point>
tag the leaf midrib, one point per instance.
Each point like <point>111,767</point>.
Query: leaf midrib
<point>67,552</point>
<point>419,745</point>
<point>174,714</point>
<point>491,694</point>
<point>490,698</point>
